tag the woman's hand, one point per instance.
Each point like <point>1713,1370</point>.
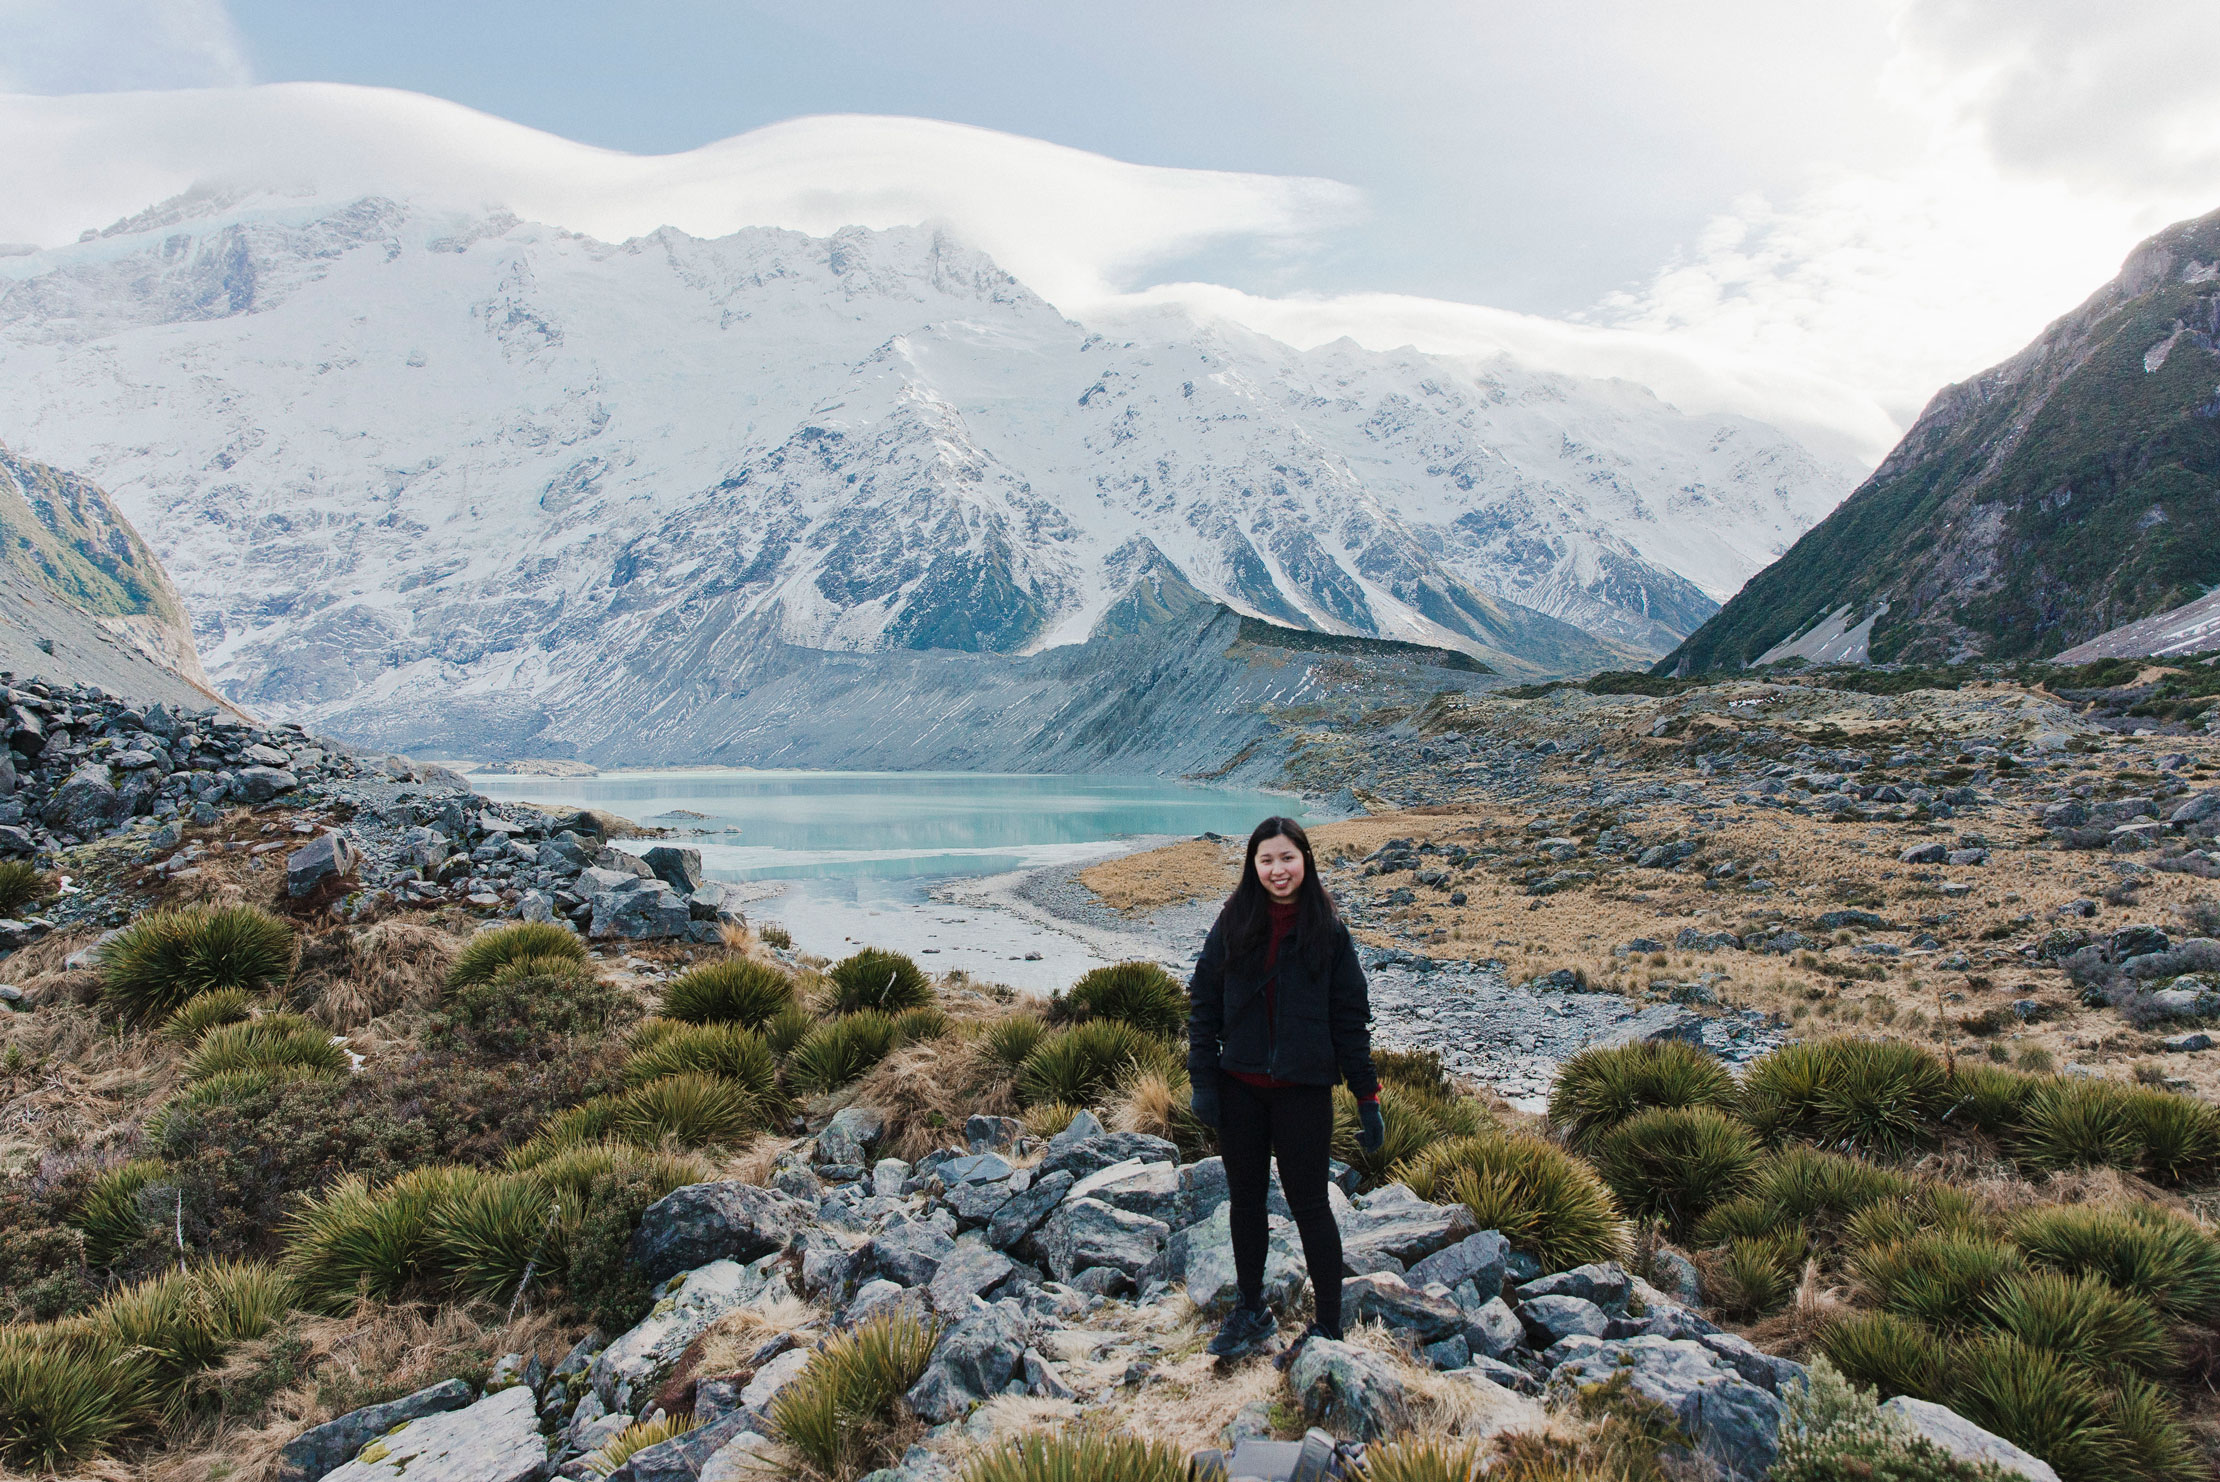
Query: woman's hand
<point>1202,1099</point>
<point>1371,1126</point>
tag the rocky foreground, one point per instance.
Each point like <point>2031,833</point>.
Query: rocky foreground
<point>1077,1273</point>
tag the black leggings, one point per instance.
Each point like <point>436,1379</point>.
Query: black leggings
<point>1296,1123</point>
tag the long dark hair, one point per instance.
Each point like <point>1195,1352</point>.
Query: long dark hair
<point>1247,916</point>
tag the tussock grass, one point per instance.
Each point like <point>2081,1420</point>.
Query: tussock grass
<point>1414,1121</point>
<point>489,1231</point>
<point>843,1410</point>
<point>2084,1321</point>
<point>1543,1199</point>
<point>726,1051</point>
<point>2035,1400</point>
<point>1882,1098</point>
<point>887,982</point>
<point>572,1175</point>
<point>2165,1258</point>
<point>20,886</point>
<point>352,1242</point>
<point>638,1436</point>
<point>68,1394</point>
<point>114,1215</point>
<point>274,1042</point>
<point>1676,1163</point>
<point>840,1050</point>
<point>1943,1280</point>
<point>1084,1455</point>
<point>1049,1118</point>
<point>159,962</point>
<point>1808,1189</point>
<point>1891,1353</point>
<point>2080,1123</point>
<point>1141,994</point>
<point>916,1026</point>
<point>205,1011</point>
<point>183,1322</point>
<point>1083,1065</point>
<point>1754,1275</point>
<point>1989,1098</point>
<point>491,950</point>
<point>1599,1088</point>
<point>1008,1041</point>
<point>738,990</point>
<point>689,1111</point>
<point>1154,1100</point>
<point>788,1028</point>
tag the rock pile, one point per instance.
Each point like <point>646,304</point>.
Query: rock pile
<point>1003,1256</point>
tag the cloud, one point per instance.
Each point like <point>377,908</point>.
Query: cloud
<point>1073,226</point>
<point>82,46</point>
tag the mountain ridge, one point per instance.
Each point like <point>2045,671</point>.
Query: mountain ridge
<point>394,455</point>
<point>2071,489</point>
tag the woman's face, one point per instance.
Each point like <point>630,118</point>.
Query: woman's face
<point>1279,864</point>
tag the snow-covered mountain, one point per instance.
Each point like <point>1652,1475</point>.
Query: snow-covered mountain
<point>392,454</point>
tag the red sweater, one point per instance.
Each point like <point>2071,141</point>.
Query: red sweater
<point>1283,922</point>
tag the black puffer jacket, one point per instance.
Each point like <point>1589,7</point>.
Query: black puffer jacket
<point>1320,1032</point>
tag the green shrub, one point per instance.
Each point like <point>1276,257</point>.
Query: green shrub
<point>67,1395</point>
<point>1989,1098</point>
<point>2036,1401</point>
<point>788,1028</point>
<point>183,1322</point>
<point>638,1436</point>
<point>840,1050</point>
<point>1893,1354</point>
<point>274,1042</point>
<point>1940,1279</point>
<point>599,1276</point>
<point>1757,1274</point>
<point>489,1232</point>
<point>1835,1432</point>
<point>1674,1164</point>
<point>916,1026</point>
<point>886,982</point>
<point>115,1215</point>
<point>205,1011</point>
<point>1079,1455</point>
<point>1137,993</point>
<point>164,959</point>
<point>839,1412</point>
<point>1008,1041</point>
<point>351,1241</point>
<point>531,1004</point>
<point>1805,1188</point>
<point>689,1111</point>
<point>1601,1087</point>
<point>20,885</point>
<point>738,990</point>
<point>497,947</point>
<point>726,1051</point>
<point>2082,1320</point>
<point>2163,1257</point>
<point>1544,1200</point>
<point>1083,1064</point>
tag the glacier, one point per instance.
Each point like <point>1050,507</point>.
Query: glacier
<point>495,487</point>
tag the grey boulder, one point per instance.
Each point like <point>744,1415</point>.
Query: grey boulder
<point>851,1135</point>
<point>1735,1424</point>
<point>1427,1317</point>
<point>676,867</point>
<point>700,1223</point>
<point>309,1456</point>
<point>1022,1212</point>
<point>1949,1431</point>
<point>1202,1256</point>
<point>972,1362</point>
<point>1605,1283</point>
<point>910,1254</point>
<point>260,784</point>
<point>495,1440</point>
<point>1348,1390</point>
<point>1479,1259</point>
<point>1551,1320</point>
<point>1391,1224</point>
<point>1086,1155</point>
<point>327,857</point>
<point>640,910</point>
<point>1087,1232</point>
<point>85,803</point>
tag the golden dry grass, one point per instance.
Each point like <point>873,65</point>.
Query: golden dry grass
<point>926,1090</point>
<point>1192,870</point>
<point>731,1342</point>
<point>352,974</point>
<point>72,1085</point>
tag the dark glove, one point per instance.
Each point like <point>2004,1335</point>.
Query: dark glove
<point>1203,1100</point>
<point>1371,1126</point>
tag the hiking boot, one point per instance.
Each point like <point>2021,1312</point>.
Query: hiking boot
<point>1244,1328</point>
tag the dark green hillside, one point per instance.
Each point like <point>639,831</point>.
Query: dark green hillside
<point>2071,489</point>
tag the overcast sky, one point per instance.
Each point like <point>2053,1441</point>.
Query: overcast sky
<point>1880,194</point>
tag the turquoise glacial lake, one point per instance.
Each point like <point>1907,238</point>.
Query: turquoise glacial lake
<point>844,859</point>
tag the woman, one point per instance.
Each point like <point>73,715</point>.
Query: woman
<point>1277,1013</point>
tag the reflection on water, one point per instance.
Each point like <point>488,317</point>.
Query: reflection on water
<point>897,825</point>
